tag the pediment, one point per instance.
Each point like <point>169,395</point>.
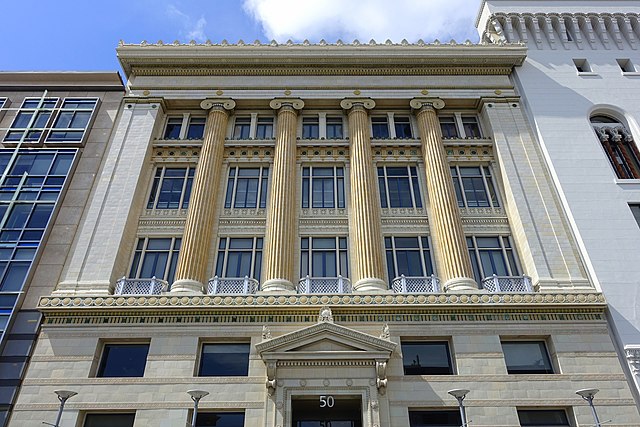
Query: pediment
<point>325,340</point>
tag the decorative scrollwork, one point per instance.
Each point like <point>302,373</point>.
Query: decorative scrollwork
<point>419,103</point>
<point>225,103</point>
<point>349,103</point>
<point>295,103</point>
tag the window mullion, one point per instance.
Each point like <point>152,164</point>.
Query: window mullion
<point>459,125</point>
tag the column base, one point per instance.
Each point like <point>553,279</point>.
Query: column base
<point>186,286</point>
<point>461,284</point>
<point>371,285</point>
<point>278,286</point>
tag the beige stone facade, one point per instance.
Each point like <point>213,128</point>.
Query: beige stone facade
<point>332,161</point>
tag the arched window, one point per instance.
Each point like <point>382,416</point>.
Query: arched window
<point>619,145</point>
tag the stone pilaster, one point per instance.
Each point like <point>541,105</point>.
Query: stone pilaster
<point>451,252</point>
<point>281,229</point>
<point>367,266</point>
<point>200,225</point>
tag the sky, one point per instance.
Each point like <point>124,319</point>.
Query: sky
<point>81,35</point>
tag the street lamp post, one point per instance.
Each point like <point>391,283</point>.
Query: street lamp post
<point>588,394</point>
<point>196,395</point>
<point>460,394</point>
<point>63,396</point>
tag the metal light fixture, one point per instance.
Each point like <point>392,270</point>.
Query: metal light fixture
<point>196,395</point>
<point>63,396</point>
<point>588,394</point>
<point>460,394</point>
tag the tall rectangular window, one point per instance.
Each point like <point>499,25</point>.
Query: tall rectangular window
<point>28,196</point>
<point>471,127</point>
<point>171,188</point>
<point>323,257</point>
<point>224,360</point>
<point>379,127</point>
<point>323,187</point>
<point>72,121</point>
<point>239,257</point>
<point>474,186</point>
<point>543,417</point>
<point>526,357</point>
<point>399,187</point>
<point>310,127</point>
<point>242,127</point>
<point>426,358</point>
<point>264,128</point>
<point>155,257</point>
<point>402,126</point>
<point>409,256</point>
<point>334,128</point>
<point>448,127</point>
<point>173,128</point>
<point>32,120</point>
<point>123,360</point>
<point>195,129</point>
<point>491,255</point>
<point>435,418</point>
<point>247,187</point>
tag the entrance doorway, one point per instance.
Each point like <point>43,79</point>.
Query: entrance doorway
<point>326,411</point>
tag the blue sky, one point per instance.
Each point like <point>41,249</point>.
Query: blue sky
<point>82,34</point>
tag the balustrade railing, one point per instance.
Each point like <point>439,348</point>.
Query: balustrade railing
<point>324,285</point>
<point>517,284</point>
<point>151,286</point>
<point>232,285</point>
<point>416,284</point>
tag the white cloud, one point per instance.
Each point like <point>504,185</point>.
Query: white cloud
<point>191,30</point>
<point>365,19</point>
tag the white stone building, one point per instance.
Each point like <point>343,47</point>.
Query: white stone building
<point>580,85</point>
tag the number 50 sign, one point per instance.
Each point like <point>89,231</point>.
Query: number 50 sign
<point>327,401</point>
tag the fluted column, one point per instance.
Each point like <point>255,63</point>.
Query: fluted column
<point>452,254</point>
<point>367,266</point>
<point>200,225</point>
<point>281,230</point>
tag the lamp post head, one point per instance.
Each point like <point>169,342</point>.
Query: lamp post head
<point>458,393</point>
<point>587,393</point>
<point>197,394</point>
<point>65,394</point>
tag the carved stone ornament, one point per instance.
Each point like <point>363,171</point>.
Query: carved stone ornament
<point>381,376</point>
<point>295,103</point>
<point>349,103</point>
<point>226,103</point>
<point>266,333</point>
<point>633,357</point>
<point>325,315</point>
<point>385,335</point>
<point>419,103</point>
<point>271,377</point>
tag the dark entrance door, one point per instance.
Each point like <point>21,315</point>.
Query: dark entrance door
<point>326,411</point>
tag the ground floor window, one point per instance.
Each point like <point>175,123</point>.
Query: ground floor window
<point>109,420</point>
<point>543,417</point>
<point>220,419</point>
<point>434,418</point>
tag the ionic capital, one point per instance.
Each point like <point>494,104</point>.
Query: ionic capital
<point>349,103</point>
<point>419,104</point>
<point>218,103</point>
<point>295,103</point>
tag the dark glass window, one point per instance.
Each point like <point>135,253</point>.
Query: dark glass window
<point>242,128</point>
<point>399,187</point>
<point>195,130</point>
<point>123,360</point>
<point>247,187</point>
<point>526,357</point>
<point>109,420</point>
<point>174,126</point>
<point>334,128</point>
<point>220,419</point>
<point>471,127</point>
<point>426,358</point>
<point>434,418</point>
<point>156,257</point>
<point>492,255</point>
<point>323,257</point>
<point>474,186</point>
<point>323,187</point>
<point>32,120</point>
<point>635,210</point>
<point>448,127</point>
<point>409,256</point>
<point>74,117</point>
<point>224,360</point>
<point>402,126</point>
<point>619,146</point>
<point>239,257</point>
<point>171,188</point>
<point>264,128</point>
<point>543,417</point>
<point>379,127</point>
<point>310,128</point>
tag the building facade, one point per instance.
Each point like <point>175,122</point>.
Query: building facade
<point>581,84</point>
<point>54,129</point>
<point>328,234</point>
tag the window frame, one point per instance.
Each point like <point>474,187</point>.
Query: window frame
<point>222,256</point>
<point>87,414</point>
<point>376,122</point>
<point>101,362</point>
<point>532,340</point>
<point>488,181</point>
<point>341,255</point>
<point>157,181</point>
<point>307,200</point>
<point>566,412</point>
<point>231,194</point>
<point>264,118</point>
<point>213,342</point>
<point>138,256</point>
<point>412,179</point>
<point>457,119</point>
<point>310,129</point>
<point>449,410</point>
<point>426,255</point>
<point>331,122</point>
<point>241,129</point>
<point>403,124</point>
<point>434,341</point>
<point>511,262</point>
<point>190,123</point>
<point>623,155</point>
<point>217,412</point>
